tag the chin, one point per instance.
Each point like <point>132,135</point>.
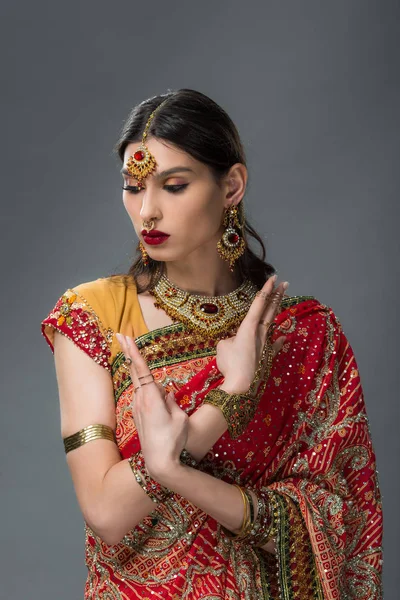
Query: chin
<point>161,254</point>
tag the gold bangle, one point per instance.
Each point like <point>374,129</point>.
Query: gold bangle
<point>247,522</point>
<point>88,434</point>
<point>251,506</point>
<point>246,518</point>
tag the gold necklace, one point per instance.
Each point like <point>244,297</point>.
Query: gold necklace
<point>208,316</point>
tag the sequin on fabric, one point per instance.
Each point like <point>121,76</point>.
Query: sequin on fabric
<point>73,317</point>
<point>309,445</point>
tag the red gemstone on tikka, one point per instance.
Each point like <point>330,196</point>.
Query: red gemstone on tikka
<point>209,309</point>
<point>233,238</point>
<point>139,155</point>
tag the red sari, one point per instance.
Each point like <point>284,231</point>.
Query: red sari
<point>309,443</point>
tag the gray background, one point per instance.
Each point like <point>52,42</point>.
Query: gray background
<point>314,90</point>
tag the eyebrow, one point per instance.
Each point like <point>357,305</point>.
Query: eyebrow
<point>163,173</point>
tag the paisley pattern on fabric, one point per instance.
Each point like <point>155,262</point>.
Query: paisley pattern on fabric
<point>309,444</point>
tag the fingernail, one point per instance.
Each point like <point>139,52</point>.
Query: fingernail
<point>286,285</point>
<point>274,277</point>
<point>119,337</point>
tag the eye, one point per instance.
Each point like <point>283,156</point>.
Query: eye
<point>173,189</point>
<point>133,189</point>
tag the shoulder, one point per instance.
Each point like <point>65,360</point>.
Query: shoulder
<point>106,294</point>
<point>89,313</point>
<point>306,311</point>
<point>289,301</point>
<point>104,289</point>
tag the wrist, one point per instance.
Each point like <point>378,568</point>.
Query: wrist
<point>231,387</point>
<point>170,473</point>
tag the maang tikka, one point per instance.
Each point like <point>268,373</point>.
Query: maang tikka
<point>142,163</point>
<point>232,245</point>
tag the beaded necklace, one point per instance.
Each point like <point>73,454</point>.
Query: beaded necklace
<point>208,316</point>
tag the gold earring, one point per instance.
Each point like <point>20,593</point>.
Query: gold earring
<point>232,245</point>
<point>145,256</point>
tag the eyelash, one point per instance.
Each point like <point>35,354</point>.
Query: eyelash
<point>174,189</point>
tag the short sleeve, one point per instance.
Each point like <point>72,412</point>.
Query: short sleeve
<point>84,314</point>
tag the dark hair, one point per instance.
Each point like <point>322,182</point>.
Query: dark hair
<point>199,126</point>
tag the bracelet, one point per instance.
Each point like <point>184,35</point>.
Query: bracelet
<point>248,518</point>
<point>88,434</point>
<point>155,491</point>
<point>251,505</point>
<point>267,521</point>
<point>259,531</point>
<point>188,459</point>
<point>239,409</point>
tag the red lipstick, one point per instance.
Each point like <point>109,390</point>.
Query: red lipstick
<point>154,237</point>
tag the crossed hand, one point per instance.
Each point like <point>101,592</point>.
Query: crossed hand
<point>161,424</point>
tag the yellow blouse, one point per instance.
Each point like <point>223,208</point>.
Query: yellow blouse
<point>91,313</point>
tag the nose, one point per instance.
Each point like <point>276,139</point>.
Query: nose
<point>150,209</point>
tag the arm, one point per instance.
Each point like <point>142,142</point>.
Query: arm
<point>206,425</point>
<point>219,499</point>
<point>110,499</point>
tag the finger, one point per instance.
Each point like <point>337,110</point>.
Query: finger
<point>170,402</point>
<point>266,322</point>
<point>127,352</point>
<point>173,407</point>
<point>143,375</point>
<point>258,305</point>
<point>274,303</point>
<point>139,362</point>
<point>277,346</point>
<point>164,392</point>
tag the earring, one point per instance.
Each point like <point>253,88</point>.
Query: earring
<point>145,256</point>
<point>232,245</point>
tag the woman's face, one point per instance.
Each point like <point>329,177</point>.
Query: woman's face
<point>187,204</point>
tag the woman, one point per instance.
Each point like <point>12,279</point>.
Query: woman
<point>215,428</point>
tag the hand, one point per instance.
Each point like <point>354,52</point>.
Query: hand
<point>161,424</point>
<point>238,356</point>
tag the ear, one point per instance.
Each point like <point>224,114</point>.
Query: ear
<point>235,184</point>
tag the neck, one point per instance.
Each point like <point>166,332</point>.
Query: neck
<point>213,280</point>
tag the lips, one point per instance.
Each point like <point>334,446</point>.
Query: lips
<point>154,233</point>
<point>154,237</point>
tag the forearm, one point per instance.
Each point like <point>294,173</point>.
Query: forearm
<point>220,500</point>
<point>121,504</point>
<point>206,425</point>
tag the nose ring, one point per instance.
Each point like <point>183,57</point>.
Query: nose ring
<point>149,225</point>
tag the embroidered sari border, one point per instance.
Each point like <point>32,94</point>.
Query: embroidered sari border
<point>157,345</point>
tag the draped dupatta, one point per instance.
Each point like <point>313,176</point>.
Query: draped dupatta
<point>309,444</point>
